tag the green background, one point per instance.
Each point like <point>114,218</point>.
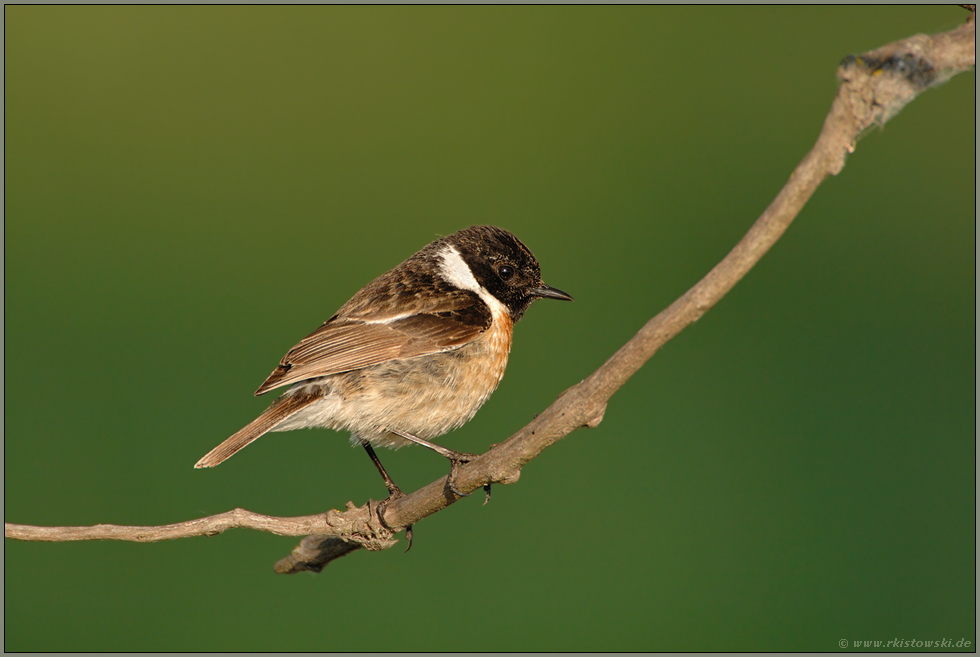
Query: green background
<point>189,191</point>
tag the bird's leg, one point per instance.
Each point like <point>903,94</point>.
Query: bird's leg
<point>456,458</point>
<point>394,492</point>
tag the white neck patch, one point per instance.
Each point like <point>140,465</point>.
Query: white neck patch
<point>455,270</point>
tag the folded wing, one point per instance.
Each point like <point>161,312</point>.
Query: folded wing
<point>345,344</point>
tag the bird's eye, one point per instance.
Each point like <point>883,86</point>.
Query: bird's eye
<point>505,272</point>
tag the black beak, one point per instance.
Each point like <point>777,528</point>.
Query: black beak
<point>548,292</point>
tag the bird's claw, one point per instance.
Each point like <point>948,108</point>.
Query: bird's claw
<point>394,494</point>
<point>458,459</point>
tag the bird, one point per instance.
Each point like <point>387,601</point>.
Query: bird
<point>411,356</point>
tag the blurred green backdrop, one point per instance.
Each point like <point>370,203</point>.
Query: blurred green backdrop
<point>188,191</point>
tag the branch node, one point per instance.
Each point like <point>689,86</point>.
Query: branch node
<point>594,422</point>
<point>878,84</point>
<point>361,526</point>
<point>509,478</point>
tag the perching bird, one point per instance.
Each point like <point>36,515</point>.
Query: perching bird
<point>411,356</point>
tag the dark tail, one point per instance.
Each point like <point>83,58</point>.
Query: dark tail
<point>281,409</point>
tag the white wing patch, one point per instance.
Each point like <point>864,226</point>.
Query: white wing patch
<point>388,320</point>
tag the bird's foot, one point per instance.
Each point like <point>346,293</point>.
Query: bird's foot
<point>457,459</point>
<point>394,493</point>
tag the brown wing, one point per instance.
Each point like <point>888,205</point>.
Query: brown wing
<point>344,344</point>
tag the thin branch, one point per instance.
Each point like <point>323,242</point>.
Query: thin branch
<point>874,87</point>
<point>209,526</point>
